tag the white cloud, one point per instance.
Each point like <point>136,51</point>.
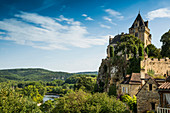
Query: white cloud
<point>47,33</point>
<point>2,33</point>
<point>159,13</point>
<point>105,26</point>
<point>114,13</point>
<point>87,17</point>
<point>84,15</point>
<point>109,20</point>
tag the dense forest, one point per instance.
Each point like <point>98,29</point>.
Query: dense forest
<point>35,74</point>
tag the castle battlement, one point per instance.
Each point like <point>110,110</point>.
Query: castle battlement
<point>158,60</point>
<point>159,66</point>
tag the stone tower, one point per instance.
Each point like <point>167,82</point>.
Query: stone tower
<point>140,29</point>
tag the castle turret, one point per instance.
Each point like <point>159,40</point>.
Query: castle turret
<point>140,29</point>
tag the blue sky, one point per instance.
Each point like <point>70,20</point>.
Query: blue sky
<point>71,35</point>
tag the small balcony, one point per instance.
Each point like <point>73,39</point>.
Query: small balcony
<point>163,110</point>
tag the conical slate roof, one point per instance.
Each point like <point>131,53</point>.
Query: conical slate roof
<point>140,20</point>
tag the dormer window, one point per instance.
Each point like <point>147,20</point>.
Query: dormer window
<point>150,87</point>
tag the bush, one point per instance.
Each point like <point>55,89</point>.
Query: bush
<point>82,102</point>
<point>132,102</point>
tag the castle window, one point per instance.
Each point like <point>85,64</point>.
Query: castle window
<point>136,34</point>
<point>150,87</point>
<point>123,89</point>
<point>153,106</point>
<point>126,90</point>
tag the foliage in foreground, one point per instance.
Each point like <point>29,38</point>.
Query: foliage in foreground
<point>132,102</point>
<point>13,102</point>
<point>82,102</point>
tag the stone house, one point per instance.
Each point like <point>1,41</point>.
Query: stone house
<point>164,92</point>
<point>148,97</point>
<point>132,84</point>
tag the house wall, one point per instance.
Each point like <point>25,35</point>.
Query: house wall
<point>130,89</point>
<point>134,89</point>
<point>146,97</point>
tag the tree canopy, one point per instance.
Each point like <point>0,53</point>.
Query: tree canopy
<point>82,102</point>
<point>152,51</point>
<point>129,44</point>
<point>133,47</point>
<point>165,39</point>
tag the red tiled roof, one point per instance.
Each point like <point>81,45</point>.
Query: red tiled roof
<point>165,86</point>
<point>135,77</point>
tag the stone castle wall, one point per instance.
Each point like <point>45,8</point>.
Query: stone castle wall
<point>160,66</point>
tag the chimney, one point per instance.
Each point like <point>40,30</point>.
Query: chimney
<point>142,76</point>
<point>110,39</point>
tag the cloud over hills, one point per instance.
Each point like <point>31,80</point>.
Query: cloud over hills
<point>47,33</point>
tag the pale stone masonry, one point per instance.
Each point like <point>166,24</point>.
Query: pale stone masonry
<point>159,66</point>
<point>148,97</point>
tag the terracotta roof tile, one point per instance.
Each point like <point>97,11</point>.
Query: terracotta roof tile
<point>135,77</point>
<point>165,86</point>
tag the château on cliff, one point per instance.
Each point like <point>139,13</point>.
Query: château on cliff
<point>140,83</point>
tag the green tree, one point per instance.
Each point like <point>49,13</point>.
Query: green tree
<point>141,51</point>
<point>32,91</point>
<point>146,50</point>
<point>112,90</point>
<point>85,83</point>
<point>82,102</point>
<point>111,51</point>
<point>129,44</point>
<point>135,51</point>
<point>13,102</point>
<point>165,39</point>
<point>48,106</point>
<point>153,51</point>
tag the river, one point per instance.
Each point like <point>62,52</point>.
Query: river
<point>49,97</point>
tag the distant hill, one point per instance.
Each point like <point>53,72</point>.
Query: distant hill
<point>88,73</point>
<point>32,74</point>
<point>35,74</point>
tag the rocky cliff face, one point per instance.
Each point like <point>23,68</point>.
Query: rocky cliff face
<point>110,72</point>
<point>104,77</point>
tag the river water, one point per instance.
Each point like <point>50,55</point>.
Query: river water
<point>49,97</point>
